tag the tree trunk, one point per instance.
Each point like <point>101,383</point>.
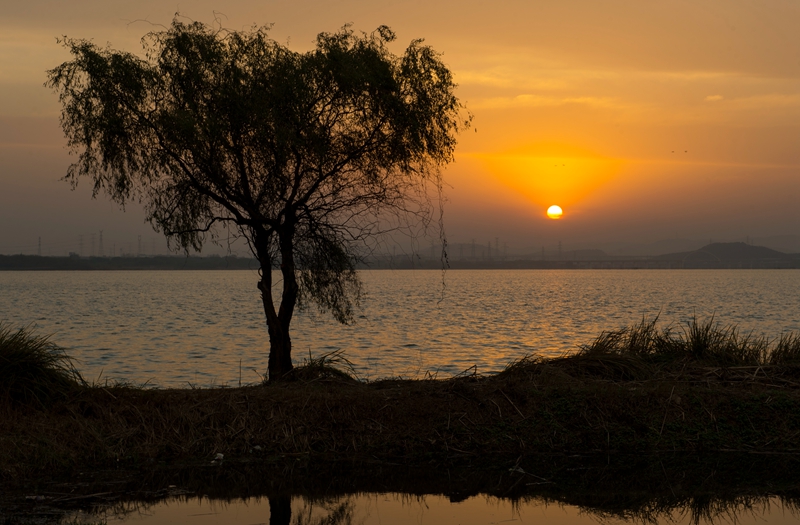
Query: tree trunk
<point>280,343</point>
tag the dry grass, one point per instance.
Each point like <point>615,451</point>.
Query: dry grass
<point>637,390</point>
<point>699,343</point>
<point>34,370</point>
<point>332,366</point>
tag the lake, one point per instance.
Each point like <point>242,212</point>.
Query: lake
<point>203,328</point>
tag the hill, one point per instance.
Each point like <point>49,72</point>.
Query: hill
<point>733,255</point>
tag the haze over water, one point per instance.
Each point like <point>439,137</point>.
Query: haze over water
<point>175,328</point>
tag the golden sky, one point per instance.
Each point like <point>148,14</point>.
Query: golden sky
<point>643,120</point>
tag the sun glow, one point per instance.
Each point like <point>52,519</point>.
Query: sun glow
<point>555,212</point>
<point>547,174</point>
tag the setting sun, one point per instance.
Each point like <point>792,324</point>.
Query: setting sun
<point>555,212</point>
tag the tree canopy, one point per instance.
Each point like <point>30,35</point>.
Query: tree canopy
<point>298,152</point>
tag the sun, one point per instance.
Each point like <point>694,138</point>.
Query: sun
<point>555,212</point>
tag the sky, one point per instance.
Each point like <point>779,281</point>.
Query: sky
<point>654,125</point>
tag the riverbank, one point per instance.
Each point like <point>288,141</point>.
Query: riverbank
<point>567,406</point>
<point>631,391</point>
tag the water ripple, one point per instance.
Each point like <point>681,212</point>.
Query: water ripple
<point>174,327</point>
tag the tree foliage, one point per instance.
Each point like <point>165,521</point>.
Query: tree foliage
<point>301,153</point>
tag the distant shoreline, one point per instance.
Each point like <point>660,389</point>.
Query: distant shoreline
<point>158,262</point>
<point>165,262</point>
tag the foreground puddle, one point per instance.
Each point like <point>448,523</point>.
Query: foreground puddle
<point>739,489</point>
<point>393,508</point>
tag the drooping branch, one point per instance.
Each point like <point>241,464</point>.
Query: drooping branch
<point>303,154</point>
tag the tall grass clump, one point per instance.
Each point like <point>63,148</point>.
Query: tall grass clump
<point>786,351</point>
<point>33,369</point>
<point>706,343</point>
<point>331,366</point>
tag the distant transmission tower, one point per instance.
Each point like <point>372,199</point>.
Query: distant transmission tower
<point>92,238</point>
<point>101,244</point>
<point>80,245</point>
<point>139,249</point>
<point>39,251</point>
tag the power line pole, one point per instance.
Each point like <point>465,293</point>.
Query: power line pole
<point>80,245</point>
<point>101,244</point>
<point>139,249</point>
<point>39,251</point>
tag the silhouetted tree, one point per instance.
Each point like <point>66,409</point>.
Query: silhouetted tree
<point>302,154</point>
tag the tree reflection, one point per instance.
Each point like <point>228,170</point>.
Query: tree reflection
<point>280,510</point>
<point>338,511</point>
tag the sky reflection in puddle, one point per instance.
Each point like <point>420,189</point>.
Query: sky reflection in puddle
<point>394,508</point>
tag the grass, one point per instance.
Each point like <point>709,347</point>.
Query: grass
<point>643,352</point>
<point>699,343</point>
<point>636,390</point>
<point>33,369</point>
<point>329,366</point>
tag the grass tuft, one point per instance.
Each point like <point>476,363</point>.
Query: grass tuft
<point>332,366</point>
<point>786,351</point>
<point>34,370</point>
<point>701,343</point>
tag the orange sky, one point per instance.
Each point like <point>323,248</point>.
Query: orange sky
<point>645,121</point>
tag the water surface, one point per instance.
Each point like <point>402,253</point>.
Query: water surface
<point>401,509</point>
<point>175,328</point>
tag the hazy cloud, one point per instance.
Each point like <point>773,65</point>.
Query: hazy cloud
<point>530,100</point>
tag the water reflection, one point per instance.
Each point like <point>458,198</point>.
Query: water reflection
<point>394,508</point>
<point>561,489</point>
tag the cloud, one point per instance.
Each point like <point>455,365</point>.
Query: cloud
<point>768,101</point>
<point>714,98</point>
<point>530,100</point>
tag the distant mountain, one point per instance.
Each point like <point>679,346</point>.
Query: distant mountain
<point>733,255</point>
<point>620,249</point>
<point>782,243</point>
